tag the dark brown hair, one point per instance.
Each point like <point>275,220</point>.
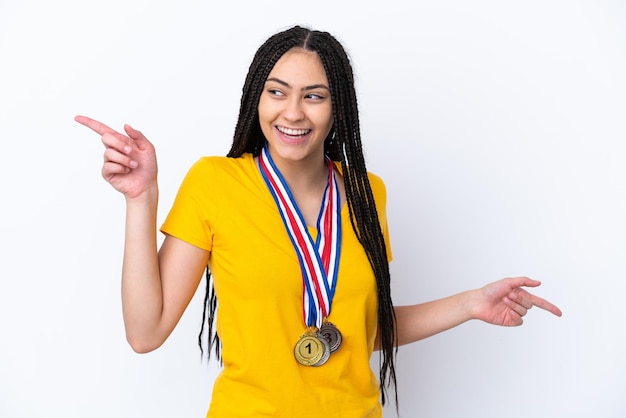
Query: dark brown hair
<point>343,144</point>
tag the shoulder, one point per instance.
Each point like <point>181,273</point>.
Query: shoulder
<point>221,163</point>
<point>213,173</point>
<point>214,166</point>
<point>379,190</point>
<point>376,182</point>
<point>377,185</point>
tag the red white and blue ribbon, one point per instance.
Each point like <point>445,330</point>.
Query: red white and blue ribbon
<point>319,258</point>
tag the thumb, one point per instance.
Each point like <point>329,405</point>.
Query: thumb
<point>526,281</point>
<point>140,140</point>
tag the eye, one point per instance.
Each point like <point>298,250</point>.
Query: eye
<point>314,96</point>
<point>275,92</point>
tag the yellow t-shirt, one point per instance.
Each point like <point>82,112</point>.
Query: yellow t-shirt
<point>225,207</point>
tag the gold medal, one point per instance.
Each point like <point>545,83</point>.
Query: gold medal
<point>310,349</point>
<point>331,334</point>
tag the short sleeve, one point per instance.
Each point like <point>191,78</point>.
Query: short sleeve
<point>189,218</point>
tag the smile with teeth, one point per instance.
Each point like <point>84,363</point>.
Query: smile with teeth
<point>292,132</point>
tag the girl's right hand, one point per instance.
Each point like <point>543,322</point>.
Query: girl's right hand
<point>130,164</point>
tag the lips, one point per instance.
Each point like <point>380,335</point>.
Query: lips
<point>293,133</point>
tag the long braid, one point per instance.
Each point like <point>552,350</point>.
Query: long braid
<point>210,304</point>
<point>361,204</point>
<point>343,144</point>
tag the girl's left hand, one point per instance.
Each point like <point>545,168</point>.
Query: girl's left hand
<point>505,302</point>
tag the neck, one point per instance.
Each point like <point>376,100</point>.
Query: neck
<point>305,175</point>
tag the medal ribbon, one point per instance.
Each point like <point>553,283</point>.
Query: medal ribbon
<point>319,258</point>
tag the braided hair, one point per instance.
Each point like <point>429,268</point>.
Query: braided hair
<point>343,144</point>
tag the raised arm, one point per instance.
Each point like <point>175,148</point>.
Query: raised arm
<point>503,303</point>
<point>156,285</point>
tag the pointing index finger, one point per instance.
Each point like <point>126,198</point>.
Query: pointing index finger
<point>544,304</point>
<point>98,127</point>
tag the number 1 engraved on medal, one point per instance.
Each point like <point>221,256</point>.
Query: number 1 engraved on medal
<point>309,349</point>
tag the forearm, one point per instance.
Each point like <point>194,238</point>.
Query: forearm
<point>416,322</point>
<point>142,296</point>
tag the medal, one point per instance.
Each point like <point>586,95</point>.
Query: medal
<point>318,259</point>
<point>331,334</point>
<point>311,349</point>
<point>326,354</point>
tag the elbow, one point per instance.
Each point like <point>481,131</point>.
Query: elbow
<point>142,345</point>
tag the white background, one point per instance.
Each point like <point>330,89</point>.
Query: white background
<point>497,126</point>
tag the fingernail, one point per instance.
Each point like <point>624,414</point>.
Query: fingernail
<point>133,164</point>
<point>127,149</point>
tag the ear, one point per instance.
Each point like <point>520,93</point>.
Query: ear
<point>330,138</point>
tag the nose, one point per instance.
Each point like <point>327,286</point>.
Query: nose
<point>293,109</point>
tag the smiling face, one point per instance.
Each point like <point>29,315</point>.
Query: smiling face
<point>295,110</point>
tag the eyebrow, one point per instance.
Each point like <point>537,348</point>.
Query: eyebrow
<point>306,88</point>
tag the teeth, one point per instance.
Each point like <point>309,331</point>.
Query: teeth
<point>293,132</point>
